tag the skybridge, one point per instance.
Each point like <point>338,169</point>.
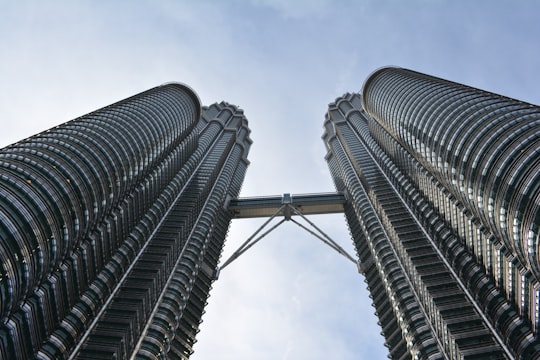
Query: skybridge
<point>306,204</point>
<point>285,207</point>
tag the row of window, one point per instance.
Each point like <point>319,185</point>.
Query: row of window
<point>45,257</point>
<point>403,321</point>
<point>487,156</point>
<point>479,282</point>
<point>180,287</point>
<point>473,275</point>
<point>174,331</point>
<point>488,142</point>
<point>429,276</point>
<point>495,259</point>
<point>64,151</point>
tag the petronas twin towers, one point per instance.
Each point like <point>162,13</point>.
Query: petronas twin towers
<point>112,224</point>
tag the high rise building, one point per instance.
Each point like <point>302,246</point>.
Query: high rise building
<point>111,226</point>
<point>443,182</point>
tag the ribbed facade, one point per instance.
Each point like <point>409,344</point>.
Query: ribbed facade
<point>443,183</point>
<point>111,226</point>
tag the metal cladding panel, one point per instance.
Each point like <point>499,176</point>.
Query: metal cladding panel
<point>398,220</point>
<point>58,186</point>
<point>98,213</point>
<point>482,147</point>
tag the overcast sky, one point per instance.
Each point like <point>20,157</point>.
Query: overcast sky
<point>282,61</point>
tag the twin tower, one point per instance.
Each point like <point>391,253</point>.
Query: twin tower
<point>112,224</point>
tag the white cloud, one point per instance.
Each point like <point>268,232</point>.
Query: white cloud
<point>296,8</point>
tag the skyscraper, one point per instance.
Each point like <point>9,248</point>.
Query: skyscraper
<point>443,183</point>
<point>111,226</point>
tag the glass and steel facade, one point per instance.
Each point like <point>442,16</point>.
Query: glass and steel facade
<point>443,183</point>
<point>112,224</point>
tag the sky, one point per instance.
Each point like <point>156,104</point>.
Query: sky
<point>282,61</point>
